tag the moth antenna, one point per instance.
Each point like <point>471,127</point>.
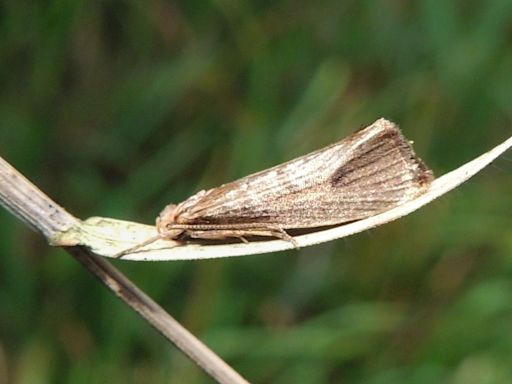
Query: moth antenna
<point>138,246</point>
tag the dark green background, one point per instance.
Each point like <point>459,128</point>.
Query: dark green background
<point>117,108</point>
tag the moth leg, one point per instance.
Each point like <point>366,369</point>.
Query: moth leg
<point>280,233</point>
<point>242,239</point>
<point>217,234</point>
<point>241,234</point>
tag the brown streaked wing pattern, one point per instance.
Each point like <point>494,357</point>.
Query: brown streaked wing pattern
<point>371,171</point>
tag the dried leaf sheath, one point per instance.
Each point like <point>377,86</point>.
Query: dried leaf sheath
<point>372,170</point>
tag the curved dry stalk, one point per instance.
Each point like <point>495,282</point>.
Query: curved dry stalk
<point>32,206</point>
<point>108,237</point>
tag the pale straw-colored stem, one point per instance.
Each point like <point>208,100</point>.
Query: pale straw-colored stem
<point>26,201</point>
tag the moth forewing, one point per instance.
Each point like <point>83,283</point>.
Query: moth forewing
<point>368,172</point>
<point>373,170</point>
<point>238,199</point>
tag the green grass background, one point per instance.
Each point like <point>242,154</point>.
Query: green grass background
<point>117,108</point>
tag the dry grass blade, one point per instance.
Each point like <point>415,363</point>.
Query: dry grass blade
<point>32,206</point>
<point>107,236</point>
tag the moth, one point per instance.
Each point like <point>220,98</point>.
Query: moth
<point>371,171</point>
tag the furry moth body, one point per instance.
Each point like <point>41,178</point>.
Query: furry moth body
<point>371,171</point>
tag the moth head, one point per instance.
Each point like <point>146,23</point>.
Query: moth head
<point>169,213</point>
<point>166,219</point>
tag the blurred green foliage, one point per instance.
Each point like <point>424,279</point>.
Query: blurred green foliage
<point>117,108</point>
